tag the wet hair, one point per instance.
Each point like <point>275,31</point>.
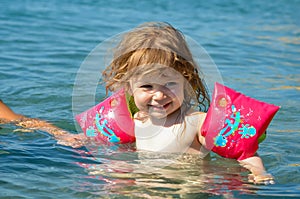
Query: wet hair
<point>155,43</point>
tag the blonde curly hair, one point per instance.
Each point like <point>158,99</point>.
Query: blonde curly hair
<point>155,43</point>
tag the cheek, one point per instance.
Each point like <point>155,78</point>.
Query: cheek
<point>140,99</point>
<point>178,93</point>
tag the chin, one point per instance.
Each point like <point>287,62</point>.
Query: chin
<point>162,115</point>
<point>159,115</point>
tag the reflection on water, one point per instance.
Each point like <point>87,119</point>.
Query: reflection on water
<point>255,45</point>
<point>117,172</point>
<point>286,87</point>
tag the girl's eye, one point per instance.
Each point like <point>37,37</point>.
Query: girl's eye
<point>147,86</point>
<point>170,84</point>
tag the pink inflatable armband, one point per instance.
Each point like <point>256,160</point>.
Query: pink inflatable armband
<point>234,123</point>
<point>109,121</point>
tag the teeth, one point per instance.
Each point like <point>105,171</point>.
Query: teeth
<point>154,106</point>
<point>159,106</point>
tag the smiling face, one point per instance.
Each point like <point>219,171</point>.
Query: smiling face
<point>159,93</point>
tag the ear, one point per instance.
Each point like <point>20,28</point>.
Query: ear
<point>129,88</point>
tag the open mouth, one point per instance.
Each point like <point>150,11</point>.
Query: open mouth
<point>159,107</point>
<point>166,105</point>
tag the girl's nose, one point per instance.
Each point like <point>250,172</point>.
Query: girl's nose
<point>158,94</point>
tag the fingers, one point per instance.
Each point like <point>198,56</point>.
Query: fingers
<point>265,179</point>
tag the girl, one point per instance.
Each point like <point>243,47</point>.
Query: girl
<point>154,64</point>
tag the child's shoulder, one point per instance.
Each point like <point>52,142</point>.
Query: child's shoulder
<point>195,117</point>
<point>195,113</point>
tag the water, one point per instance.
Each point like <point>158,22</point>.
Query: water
<point>255,45</point>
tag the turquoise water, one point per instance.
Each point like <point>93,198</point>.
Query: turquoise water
<point>255,44</point>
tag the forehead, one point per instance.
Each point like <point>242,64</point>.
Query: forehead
<point>156,74</point>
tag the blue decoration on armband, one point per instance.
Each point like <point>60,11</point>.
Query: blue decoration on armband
<point>232,126</point>
<point>102,127</point>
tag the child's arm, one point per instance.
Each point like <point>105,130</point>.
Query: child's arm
<point>258,174</point>
<point>7,115</point>
<point>63,137</point>
<point>254,164</point>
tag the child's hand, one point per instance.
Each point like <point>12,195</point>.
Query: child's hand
<point>258,172</point>
<point>264,178</point>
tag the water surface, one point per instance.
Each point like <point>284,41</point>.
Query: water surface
<point>255,45</point>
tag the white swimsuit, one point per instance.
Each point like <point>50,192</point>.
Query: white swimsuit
<point>176,139</point>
